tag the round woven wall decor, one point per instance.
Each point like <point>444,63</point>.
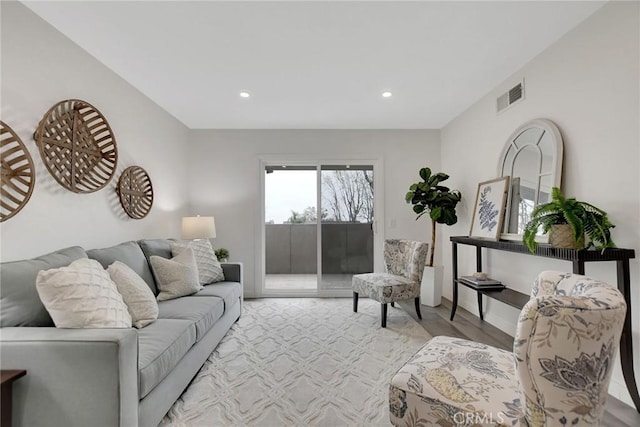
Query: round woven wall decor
<point>77,146</point>
<point>135,192</point>
<point>18,173</point>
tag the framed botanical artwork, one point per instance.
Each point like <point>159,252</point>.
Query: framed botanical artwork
<point>488,211</point>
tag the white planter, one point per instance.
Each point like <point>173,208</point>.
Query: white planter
<point>431,287</point>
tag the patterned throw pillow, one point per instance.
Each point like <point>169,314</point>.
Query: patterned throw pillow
<point>82,295</point>
<point>209,268</point>
<point>138,297</point>
<point>176,277</point>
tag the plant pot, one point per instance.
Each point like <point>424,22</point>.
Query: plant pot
<point>561,236</point>
<point>431,286</point>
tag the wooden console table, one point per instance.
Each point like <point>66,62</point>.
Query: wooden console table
<point>578,259</point>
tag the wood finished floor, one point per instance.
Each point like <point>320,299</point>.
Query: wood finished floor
<point>435,320</point>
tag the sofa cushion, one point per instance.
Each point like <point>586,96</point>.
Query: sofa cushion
<point>232,271</point>
<point>82,295</point>
<point>128,253</point>
<point>161,345</point>
<point>203,312</point>
<point>158,247</point>
<point>230,292</point>
<point>176,277</point>
<point>19,299</point>
<point>139,299</point>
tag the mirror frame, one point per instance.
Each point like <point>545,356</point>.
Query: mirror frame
<point>556,167</point>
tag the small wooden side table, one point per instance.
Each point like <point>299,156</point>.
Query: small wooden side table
<point>7,379</point>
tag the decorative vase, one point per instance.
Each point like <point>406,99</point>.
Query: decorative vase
<point>561,236</point>
<point>431,286</point>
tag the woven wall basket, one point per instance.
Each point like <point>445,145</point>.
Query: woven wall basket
<point>18,173</point>
<point>135,192</point>
<point>77,146</point>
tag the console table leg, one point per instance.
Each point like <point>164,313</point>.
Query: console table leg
<point>578,267</point>
<point>454,303</point>
<point>479,269</point>
<point>454,255</point>
<point>626,343</point>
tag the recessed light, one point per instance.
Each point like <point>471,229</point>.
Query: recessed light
<point>245,94</point>
<point>386,94</point>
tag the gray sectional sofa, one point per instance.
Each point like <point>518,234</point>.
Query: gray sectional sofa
<point>108,377</point>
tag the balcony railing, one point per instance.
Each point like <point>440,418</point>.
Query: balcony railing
<point>347,248</point>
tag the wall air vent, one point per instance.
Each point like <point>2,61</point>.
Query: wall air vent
<point>510,97</point>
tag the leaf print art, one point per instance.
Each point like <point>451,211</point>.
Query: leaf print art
<point>489,208</point>
<point>487,212</point>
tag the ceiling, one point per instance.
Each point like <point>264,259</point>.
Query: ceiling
<point>314,65</point>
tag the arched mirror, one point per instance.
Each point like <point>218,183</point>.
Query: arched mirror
<point>532,157</point>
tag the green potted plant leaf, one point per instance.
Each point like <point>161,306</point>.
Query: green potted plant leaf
<point>428,196</point>
<point>222,254</point>
<point>567,220</point>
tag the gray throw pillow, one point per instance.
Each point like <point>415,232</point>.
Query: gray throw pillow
<point>209,268</point>
<point>176,277</point>
<point>138,297</point>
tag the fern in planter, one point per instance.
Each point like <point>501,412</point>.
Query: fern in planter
<point>583,218</point>
<point>437,200</point>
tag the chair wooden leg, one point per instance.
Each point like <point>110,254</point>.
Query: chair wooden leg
<point>355,302</point>
<point>383,313</point>
<point>418,308</point>
<point>393,304</point>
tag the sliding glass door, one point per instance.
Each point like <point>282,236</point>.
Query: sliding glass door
<point>347,204</point>
<point>290,228</point>
<point>318,227</point>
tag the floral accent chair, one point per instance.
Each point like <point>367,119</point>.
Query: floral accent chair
<point>404,262</point>
<point>558,373</point>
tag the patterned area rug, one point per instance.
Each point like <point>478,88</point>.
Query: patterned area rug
<point>301,362</point>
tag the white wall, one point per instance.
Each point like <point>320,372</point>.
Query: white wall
<point>224,177</point>
<point>40,67</point>
<point>588,84</point>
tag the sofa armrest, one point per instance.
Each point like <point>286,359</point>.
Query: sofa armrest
<point>232,271</point>
<point>75,377</point>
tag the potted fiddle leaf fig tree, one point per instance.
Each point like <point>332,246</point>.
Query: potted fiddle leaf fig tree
<point>430,197</point>
<point>567,221</point>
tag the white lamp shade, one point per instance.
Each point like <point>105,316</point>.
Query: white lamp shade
<point>198,227</point>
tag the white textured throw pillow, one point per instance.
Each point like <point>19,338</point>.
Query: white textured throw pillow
<point>176,277</point>
<point>82,295</point>
<point>138,297</point>
<point>209,268</point>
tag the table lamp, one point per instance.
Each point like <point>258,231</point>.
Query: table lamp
<point>198,227</point>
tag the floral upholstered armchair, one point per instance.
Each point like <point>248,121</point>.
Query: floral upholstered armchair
<point>404,261</point>
<point>558,373</point>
